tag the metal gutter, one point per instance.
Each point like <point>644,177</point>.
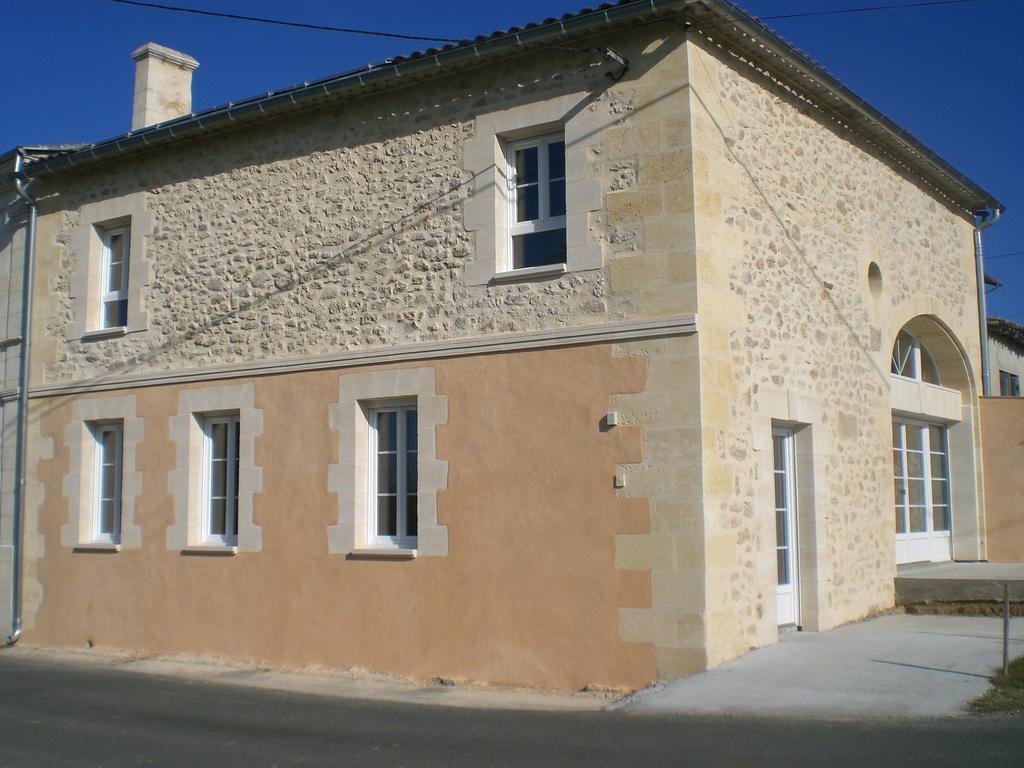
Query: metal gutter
<point>28,280</point>
<point>722,22</point>
<point>984,219</point>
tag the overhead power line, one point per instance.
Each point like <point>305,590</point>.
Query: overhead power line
<point>283,23</point>
<point>427,38</point>
<point>867,9</point>
<point>1004,255</point>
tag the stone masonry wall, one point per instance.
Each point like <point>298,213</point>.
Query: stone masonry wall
<point>342,228</point>
<point>789,216</point>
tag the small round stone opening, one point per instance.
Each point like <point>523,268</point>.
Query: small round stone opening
<point>875,279</point>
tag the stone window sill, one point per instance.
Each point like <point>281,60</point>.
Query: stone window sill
<point>105,333</point>
<point>97,546</point>
<point>382,553</point>
<point>531,273</point>
<point>210,549</point>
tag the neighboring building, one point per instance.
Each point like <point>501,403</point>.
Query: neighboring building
<point>578,354</point>
<point>1006,356</point>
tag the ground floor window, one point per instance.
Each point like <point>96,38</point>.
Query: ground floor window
<point>107,486</point>
<point>920,458</point>
<point>221,481</point>
<point>393,476</point>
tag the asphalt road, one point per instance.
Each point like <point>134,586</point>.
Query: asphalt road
<point>56,714</point>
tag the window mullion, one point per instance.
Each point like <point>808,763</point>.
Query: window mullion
<point>400,501</point>
<point>543,186</point>
<point>105,274</point>
<point>926,473</point>
<point>97,503</point>
<point>231,480</point>
<point>108,255</point>
<point>235,482</point>
<point>513,200</point>
<point>904,478</point>
<point>947,476</point>
<point>125,256</point>
<point>373,452</point>
<point>115,526</point>
<point>207,518</point>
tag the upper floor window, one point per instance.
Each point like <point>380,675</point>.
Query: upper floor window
<point>1009,384</point>
<point>393,476</point>
<point>536,176</point>
<point>912,360</point>
<point>114,301</point>
<point>106,502</point>
<point>220,497</point>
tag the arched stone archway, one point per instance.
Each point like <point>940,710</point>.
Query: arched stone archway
<point>947,352</point>
<point>936,468</point>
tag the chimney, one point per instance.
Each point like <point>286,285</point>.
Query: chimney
<point>163,84</point>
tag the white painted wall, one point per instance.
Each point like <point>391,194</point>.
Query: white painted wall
<point>1004,356</point>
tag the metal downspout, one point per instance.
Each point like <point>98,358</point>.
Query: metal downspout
<point>28,279</point>
<point>984,218</point>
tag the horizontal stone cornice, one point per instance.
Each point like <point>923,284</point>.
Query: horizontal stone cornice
<point>631,330</point>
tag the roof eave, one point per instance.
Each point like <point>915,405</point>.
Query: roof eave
<point>358,82</point>
<point>721,20</point>
<point>804,75</point>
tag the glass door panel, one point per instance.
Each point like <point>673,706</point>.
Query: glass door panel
<point>921,491</point>
<point>786,552</point>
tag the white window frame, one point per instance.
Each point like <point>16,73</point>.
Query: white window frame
<point>911,366</point>
<point>402,539</point>
<point>358,393</point>
<point>544,222</point>
<point>100,459</point>
<point>230,536</point>
<point>929,505</point>
<point>788,592</point>
<point>121,294</point>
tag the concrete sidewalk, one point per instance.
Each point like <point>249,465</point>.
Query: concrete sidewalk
<point>892,666</point>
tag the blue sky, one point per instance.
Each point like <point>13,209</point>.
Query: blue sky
<point>952,75</point>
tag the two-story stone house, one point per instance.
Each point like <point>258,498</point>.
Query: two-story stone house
<point>584,353</point>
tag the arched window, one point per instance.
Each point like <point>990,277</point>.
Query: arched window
<point>911,359</point>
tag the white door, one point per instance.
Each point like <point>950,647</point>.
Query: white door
<point>920,460</point>
<point>786,549</point>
